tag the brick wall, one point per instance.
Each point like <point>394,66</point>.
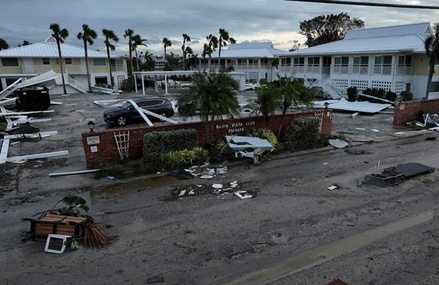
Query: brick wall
<point>101,145</point>
<point>411,110</point>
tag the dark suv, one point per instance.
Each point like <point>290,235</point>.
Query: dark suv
<point>128,114</point>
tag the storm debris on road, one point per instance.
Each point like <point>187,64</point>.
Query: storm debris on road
<point>392,176</point>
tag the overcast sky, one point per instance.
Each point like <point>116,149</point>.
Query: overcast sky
<point>245,20</point>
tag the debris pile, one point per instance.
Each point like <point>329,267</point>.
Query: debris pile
<point>69,225</point>
<point>397,174</point>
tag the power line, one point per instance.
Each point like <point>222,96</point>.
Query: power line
<point>340,2</point>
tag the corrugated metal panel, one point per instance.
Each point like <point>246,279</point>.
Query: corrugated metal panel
<point>402,30</point>
<point>50,50</point>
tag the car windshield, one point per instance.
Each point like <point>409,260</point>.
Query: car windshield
<point>126,105</point>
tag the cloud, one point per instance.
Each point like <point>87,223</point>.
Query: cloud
<point>252,20</point>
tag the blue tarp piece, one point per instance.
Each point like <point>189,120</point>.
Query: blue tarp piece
<point>243,143</point>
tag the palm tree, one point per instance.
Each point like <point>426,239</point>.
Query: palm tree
<point>211,46</point>
<point>191,58</point>
<point>214,94</point>
<point>268,101</point>
<point>3,44</point>
<point>138,41</point>
<point>432,50</point>
<point>223,40</point>
<point>110,35</point>
<point>293,92</point>
<point>87,36</point>
<point>186,39</point>
<point>60,35</point>
<point>166,43</point>
<point>129,34</point>
<point>148,63</point>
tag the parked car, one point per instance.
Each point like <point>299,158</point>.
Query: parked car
<point>126,113</point>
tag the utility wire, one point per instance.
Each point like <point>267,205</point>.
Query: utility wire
<point>340,2</point>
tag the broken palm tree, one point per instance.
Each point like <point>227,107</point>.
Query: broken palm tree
<point>70,221</point>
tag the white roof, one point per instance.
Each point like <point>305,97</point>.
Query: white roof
<point>250,50</point>
<point>408,38</point>
<point>49,49</point>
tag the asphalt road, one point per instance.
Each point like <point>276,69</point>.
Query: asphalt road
<point>294,231</point>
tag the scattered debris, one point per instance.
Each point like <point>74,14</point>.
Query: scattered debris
<point>75,172</point>
<point>337,143</point>
<point>181,191</point>
<point>395,175</point>
<point>69,223</point>
<point>333,187</point>
<point>181,174</point>
<point>243,195</point>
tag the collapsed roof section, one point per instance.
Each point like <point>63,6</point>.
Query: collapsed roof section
<point>48,78</point>
<point>358,106</point>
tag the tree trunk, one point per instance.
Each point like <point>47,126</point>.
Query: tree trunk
<point>109,68</point>
<point>284,111</point>
<point>86,66</point>
<point>61,66</point>
<point>430,76</point>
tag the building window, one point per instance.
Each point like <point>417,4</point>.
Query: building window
<point>117,64</point>
<point>10,61</point>
<point>434,87</point>
<point>383,65</point>
<point>299,61</point>
<point>361,64</point>
<point>286,61</point>
<point>404,65</point>
<point>68,60</point>
<point>313,61</point>
<point>99,62</point>
<point>341,64</point>
<point>45,61</point>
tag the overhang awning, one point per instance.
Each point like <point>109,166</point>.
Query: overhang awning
<point>243,143</point>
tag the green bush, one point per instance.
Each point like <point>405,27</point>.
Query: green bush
<point>156,143</point>
<point>221,152</point>
<point>184,158</point>
<point>391,96</point>
<point>264,134</point>
<point>303,133</point>
<point>352,94</point>
<point>127,85</point>
<point>406,96</point>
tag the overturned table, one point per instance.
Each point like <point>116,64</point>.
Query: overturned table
<point>252,147</point>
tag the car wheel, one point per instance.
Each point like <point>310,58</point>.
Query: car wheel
<point>121,121</point>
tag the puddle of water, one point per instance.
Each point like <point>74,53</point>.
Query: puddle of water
<point>333,250</point>
<point>134,186</point>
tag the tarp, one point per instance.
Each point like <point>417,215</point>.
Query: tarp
<point>243,142</point>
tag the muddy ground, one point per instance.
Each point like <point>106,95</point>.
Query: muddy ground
<point>214,237</point>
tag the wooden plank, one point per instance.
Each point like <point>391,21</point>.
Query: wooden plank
<point>61,218</point>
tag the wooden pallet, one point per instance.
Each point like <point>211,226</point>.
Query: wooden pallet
<point>57,224</point>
